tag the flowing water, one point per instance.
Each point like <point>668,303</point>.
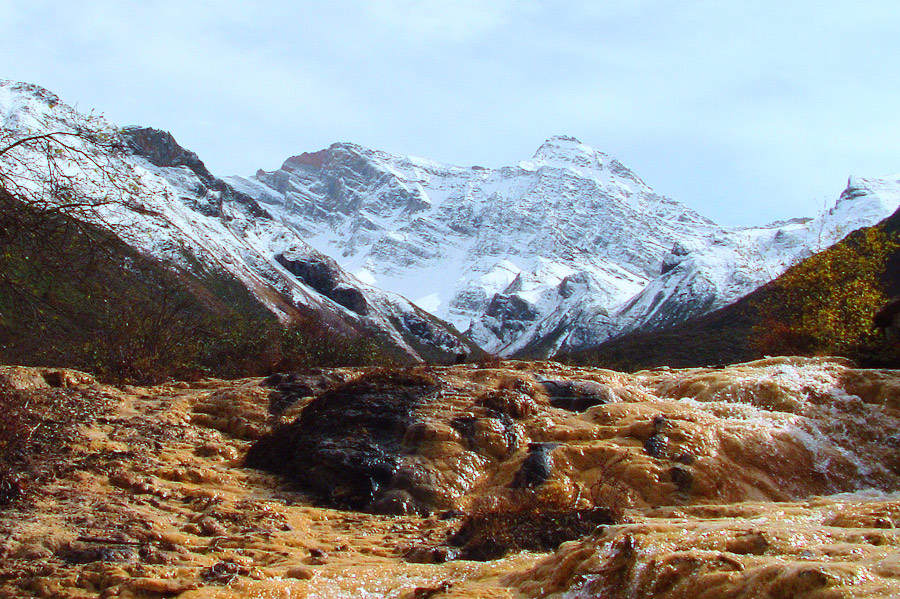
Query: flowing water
<point>778,478</point>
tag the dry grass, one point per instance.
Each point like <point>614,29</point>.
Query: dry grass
<point>36,434</point>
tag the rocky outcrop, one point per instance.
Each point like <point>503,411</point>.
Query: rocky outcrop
<point>161,149</point>
<point>577,396</point>
<point>423,441</point>
<point>324,275</point>
<point>347,445</point>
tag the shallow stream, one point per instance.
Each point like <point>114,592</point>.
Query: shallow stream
<point>777,478</point>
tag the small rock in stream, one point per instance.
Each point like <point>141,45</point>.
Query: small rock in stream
<point>577,396</point>
<point>537,467</point>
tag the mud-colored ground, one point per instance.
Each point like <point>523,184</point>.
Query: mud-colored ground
<point>723,483</point>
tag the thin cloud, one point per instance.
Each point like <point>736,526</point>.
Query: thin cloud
<point>443,20</point>
<point>748,112</point>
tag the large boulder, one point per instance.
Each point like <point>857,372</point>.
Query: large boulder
<point>346,445</point>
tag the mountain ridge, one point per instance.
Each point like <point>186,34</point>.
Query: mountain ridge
<point>726,335</point>
<point>556,253</point>
<point>180,214</point>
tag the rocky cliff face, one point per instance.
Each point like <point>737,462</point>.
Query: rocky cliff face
<point>169,206</point>
<point>160,149</point>
<point>559,252</point>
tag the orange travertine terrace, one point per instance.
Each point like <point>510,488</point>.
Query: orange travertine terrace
<point>776,478</point>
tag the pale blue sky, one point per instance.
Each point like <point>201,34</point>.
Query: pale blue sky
<point>746,111</point>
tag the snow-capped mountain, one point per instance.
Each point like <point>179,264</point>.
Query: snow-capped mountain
<point>169,206</point>
<point>559,252</point>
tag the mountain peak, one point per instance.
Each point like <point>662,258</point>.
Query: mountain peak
<point>567,152</point>
<point>308,159</point>
<point>563,139</point>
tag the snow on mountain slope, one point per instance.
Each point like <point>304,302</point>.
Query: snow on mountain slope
<point>743,259</point>
<point>560,252</point>
<point>454,239</point>
<point>170,207</point>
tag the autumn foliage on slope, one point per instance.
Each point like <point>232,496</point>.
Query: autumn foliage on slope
<point>826,304</point>
<point>822,305</point>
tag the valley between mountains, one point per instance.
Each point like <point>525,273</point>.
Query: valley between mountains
<point>559,253</point>
<point>335,380</point>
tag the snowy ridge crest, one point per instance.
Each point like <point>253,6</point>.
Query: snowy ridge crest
<point>187,216</point>
<point>560,252</point>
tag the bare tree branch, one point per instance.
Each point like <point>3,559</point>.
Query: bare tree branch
<point>53,135</point>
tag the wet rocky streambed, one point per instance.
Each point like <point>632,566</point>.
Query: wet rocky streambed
<point>777,478</point>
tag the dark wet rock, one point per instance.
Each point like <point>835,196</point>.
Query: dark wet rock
<point>153,555</point>
<point>290,388</point>
<point>509,402</point>
<point>224,572</point>
<point>281,401</point>
<point>686,458</point>
<point>656,446</point>
<point>396,502</point>
<point>537,467</point>
<point>480,434</point>
<point>419,484</point>
<point>346,445</point>
<point>416,434</point>
<point>317,557</point>
<point>683,479</point>
<point>465,426</point>
<point>429,592</point>
<point>577,396</point>
<point>88,553</point>
<point>491,535</point>
<point>431,555</point>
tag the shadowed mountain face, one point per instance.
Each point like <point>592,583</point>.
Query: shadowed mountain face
<point>163,202</point>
